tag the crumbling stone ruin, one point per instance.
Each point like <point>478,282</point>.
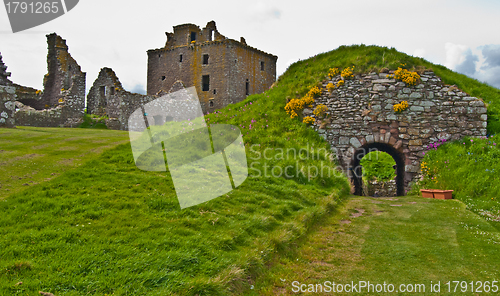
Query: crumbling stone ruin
<point>7,97</point>
<point>361,118</point>
<point>107,98</point>
<point>62,102</point>
<point>223,70</point>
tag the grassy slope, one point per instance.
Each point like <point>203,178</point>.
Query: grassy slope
<point>471,167</point>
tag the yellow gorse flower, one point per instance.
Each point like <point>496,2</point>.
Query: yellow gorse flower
<point>340,83</point>
<point>400,107</point>
<point>330,87</point>
<point>333,72</point>
<point>315,92</point>
<point>295,105</point>
<point>408,77</point>
<point>320,110</point>
<point>348,73</point>
<point>308,120</point>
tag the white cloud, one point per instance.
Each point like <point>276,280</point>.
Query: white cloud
<point>455,54</point>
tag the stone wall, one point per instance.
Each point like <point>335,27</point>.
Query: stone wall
<point>7,97</point>
<point>361,117</point>
<point>7,105</point>
<point>234,69</point>
<point>62,101</point>
<point>380,189</point>
<point>108,98</point>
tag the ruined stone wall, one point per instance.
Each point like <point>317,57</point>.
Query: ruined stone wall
<point>230,64</point>
<point>7,97</point>
<point>7,105</point>
<point>361,115</point>
<point>108,98</point>
<point>62,102</point>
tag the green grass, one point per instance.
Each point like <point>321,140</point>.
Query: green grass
<point>107,227</point>
<point>405,240</point>
<point>139,242</point>
<point>379,166</point>
<point>33,155</point>
<point>471,168</point>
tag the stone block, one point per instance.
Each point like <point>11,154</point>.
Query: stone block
<point>417,142</point>
<point>392,141</point>
<point>387,137</point>
<point>398,144</point>
<point>355,142</point>
<point>370,139</point>
<point>344,141</point>
<point>413,131</point>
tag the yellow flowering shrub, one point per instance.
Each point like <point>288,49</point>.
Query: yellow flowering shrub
<point>340,83</point>
<point>295,105</point>
<point>38,91</point>
<point>61,101</point>
<point>348,73</point>
<point>400,107</point>
<point>315,92</point>
<point>308,120</point>
<point>333,72</point>
<point>408,77</point>
<point>330,87</point>
<point>320,110</point>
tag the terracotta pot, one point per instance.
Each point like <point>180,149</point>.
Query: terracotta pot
<point>427,193</point>
<point>443,194</point>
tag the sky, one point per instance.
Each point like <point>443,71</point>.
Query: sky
<point>460,34</point>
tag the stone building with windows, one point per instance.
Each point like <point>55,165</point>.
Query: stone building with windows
<point>223,70</point>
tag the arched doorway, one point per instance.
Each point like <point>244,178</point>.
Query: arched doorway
<point>356,171</point>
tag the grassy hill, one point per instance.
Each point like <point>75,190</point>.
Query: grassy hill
<point>471,168</point>
<point>106,227</point>
<point>300,76</point>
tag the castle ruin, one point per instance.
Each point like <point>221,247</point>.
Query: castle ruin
<point>224,71</point>
<point>7,97</point>
<point>60,104</point>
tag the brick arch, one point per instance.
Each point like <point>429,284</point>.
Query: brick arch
<point>360,116</point>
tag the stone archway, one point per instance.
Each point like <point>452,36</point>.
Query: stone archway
<point>356,170</point>
<point>361,116</point>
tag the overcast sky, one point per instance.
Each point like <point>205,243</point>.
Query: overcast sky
<point>462,35</point>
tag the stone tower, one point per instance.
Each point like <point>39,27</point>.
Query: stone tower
<point>223,70</point>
